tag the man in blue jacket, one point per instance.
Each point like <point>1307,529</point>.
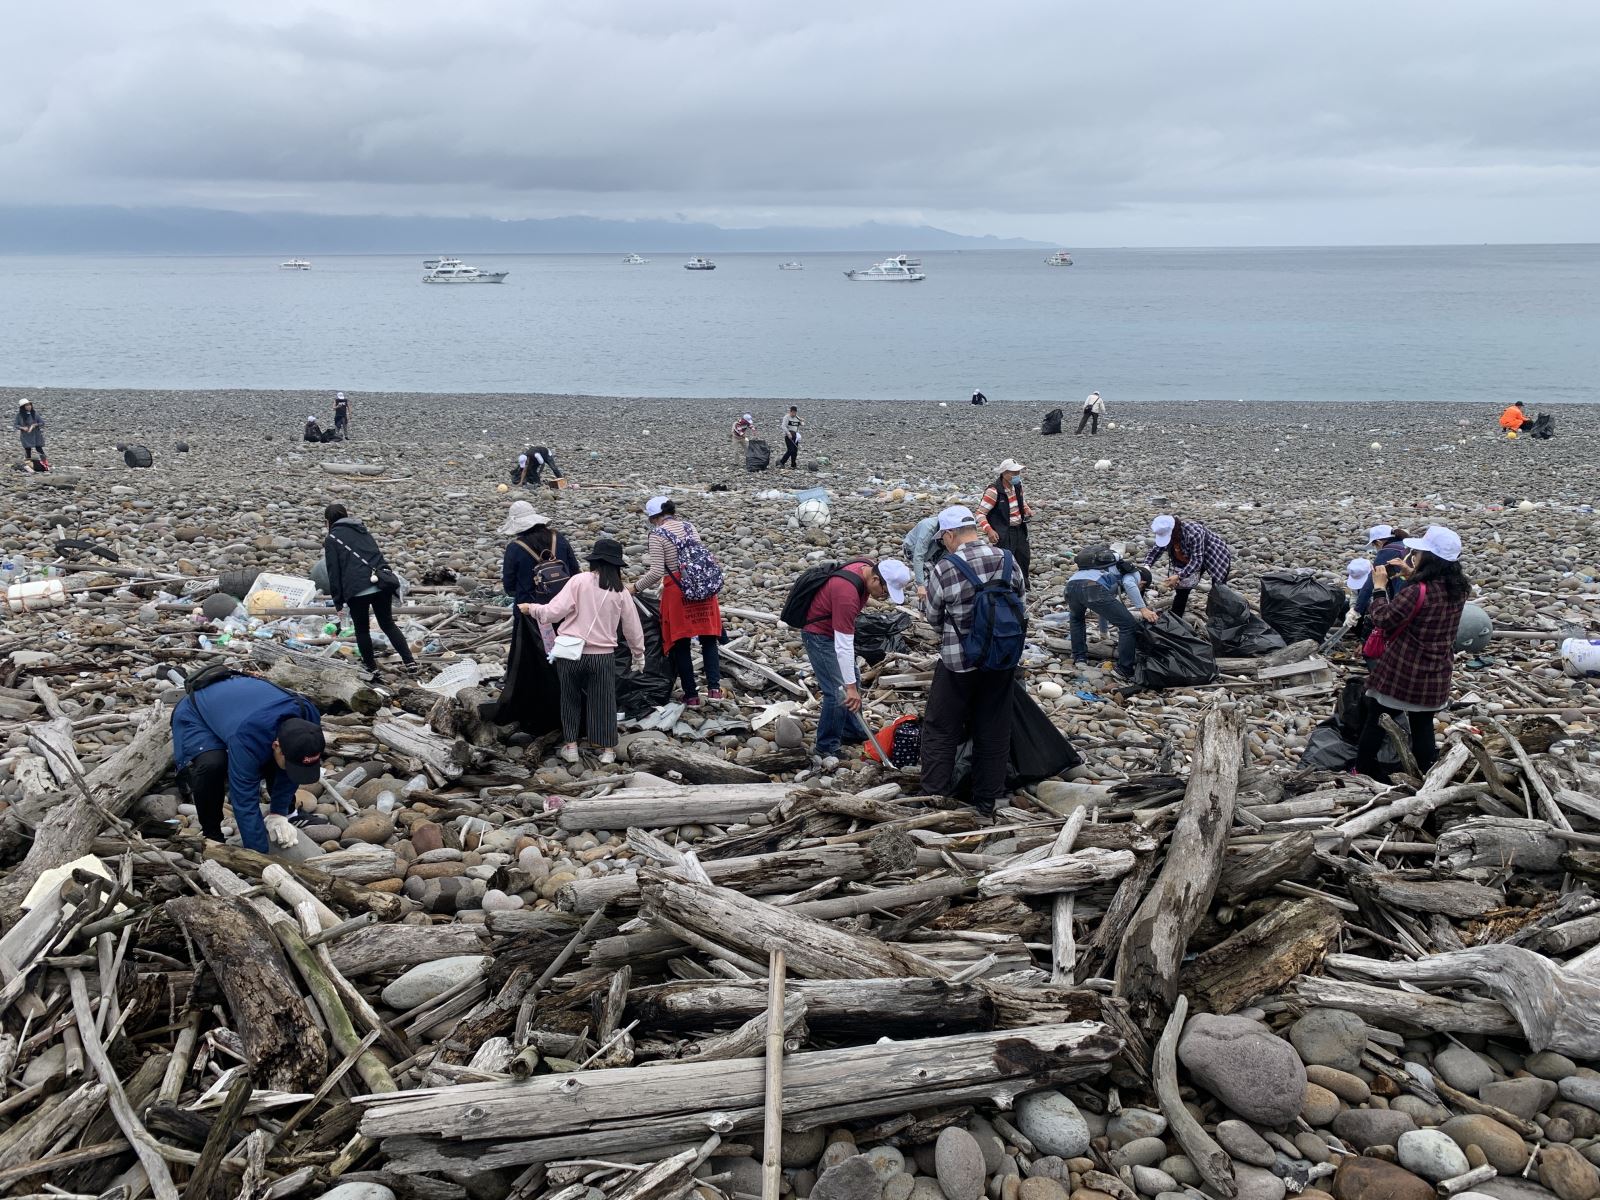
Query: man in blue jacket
<point>232,735</point>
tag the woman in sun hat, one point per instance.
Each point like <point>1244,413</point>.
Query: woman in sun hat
<point>683,621</point>
<point>1412,675</point>
<point>1193,550</point>
<point>1003,514</point>
<point>31,426</point>
<point>589,609</point>
<point>538,561</point>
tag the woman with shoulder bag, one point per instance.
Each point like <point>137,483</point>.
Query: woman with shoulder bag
<point>691,610</point>
<point>1413,642</point>
<point>538,561</point>
<point>589,610</point>
<point>360,577</point>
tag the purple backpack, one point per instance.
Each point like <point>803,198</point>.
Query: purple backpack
<point>699,575</point>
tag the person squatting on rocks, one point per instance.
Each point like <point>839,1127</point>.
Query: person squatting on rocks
<point>1093,409</point>
<point>538,561</point>
<point>970,697</point>
<point>792,424</point>
<point>1418,628</point>
<point>313,432</point>
<point>1515,418</point>
<point>1193,550</point>
<point>531,463</point>
<point>588,610</point>
<point>829,636</point>
<point>1100,583</point>
<point>341,415</point>
<point>1003,515</point>
<point>683,621</point>
<point>978,397</point>
<point>924,546</point>
<point>30,425</point>
<point>743,430</point>
<point>231,733</point>
<point>359,576</point>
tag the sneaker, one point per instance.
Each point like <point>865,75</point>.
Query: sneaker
<point>569,754</point>
<point>413,669</point>
<point>607,756</point>
<point>714,694</point>
<point>691,701</point>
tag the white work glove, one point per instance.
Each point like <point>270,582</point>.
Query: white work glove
<point>280,832</point>
<point>1350,619</point>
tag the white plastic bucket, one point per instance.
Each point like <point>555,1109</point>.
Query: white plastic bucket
<point>1582,657</point>
<point>41,593</point>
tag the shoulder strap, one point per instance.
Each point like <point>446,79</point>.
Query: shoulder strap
<point>1422,598</point>
<point>964,568</point>
<point>524,547</point>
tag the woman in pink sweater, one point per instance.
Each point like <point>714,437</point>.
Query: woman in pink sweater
<point>591,607</point>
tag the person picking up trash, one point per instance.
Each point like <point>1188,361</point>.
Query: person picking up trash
<point>1193,550</point>
<point>233,732</point>
<point>924,546</point>
<point>31,426</point>
<point>743,430</point>
<point>1100,583</point>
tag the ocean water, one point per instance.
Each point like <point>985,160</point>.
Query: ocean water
<point>1478,324</point>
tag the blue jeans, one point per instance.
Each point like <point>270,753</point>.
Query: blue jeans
<point>1086,594</point>
<point>837,723</point>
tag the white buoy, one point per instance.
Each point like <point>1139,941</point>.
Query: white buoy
<point>1525,506</point>
<point>1103,465</point>
<point>1050,690</point>
<point>1375,446</point>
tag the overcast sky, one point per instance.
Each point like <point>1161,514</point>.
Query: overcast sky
<point>1144,123</point>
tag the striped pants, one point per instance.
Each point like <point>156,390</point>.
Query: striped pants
<point>589,698</point>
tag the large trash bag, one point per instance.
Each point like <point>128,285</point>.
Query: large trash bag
<point>1052,422</point>
<point>1300,606</point>
<point>649,689</point>
<point>1039,750</point>
<point>530,694</point>
<point>1328,749</point>
<point>1475,629</point>
<point>880,634</point>
<point>1233,629</point>
<point>1173,655</point>
<point>1544,427</point>
<point>757,454</point>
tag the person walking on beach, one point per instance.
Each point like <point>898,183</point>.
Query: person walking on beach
<point>538,561</point>
<point>978,397</point>
<point>975,599</point>
<point>232,732</point>
<point>743,430</point>
<point>360,577</point>
<point>341,416</point>
<point>924,546</point>
<point>829,637</point>
<point>1193,550</point>
<point>691,610</point>
<point>1003,515</point>
<point>792,424</point>
<point>1418,629</point>
<point>531,463</point>
<point>1093,409</point>
<point>1100,583</point>
<point>589,609</point>
<point>30,425</point>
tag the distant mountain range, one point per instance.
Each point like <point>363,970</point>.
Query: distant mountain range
<point>109,230</point>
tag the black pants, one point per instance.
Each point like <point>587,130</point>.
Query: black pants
<point>341,422</point>
<point>1015,539</point>
<point>791,451</point>
<point>1092,420</point>
<point>1424,747</point>
<point>964,705</point>
<point>204,781</point>
<point>682,658</point>
<point>380,605</point>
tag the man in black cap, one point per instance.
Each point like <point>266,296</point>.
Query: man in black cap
<point>234,733</point>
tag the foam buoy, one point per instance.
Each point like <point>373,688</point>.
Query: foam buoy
<point>1050,690</point>
<point>264,599</point>
<point>1103,465</point>
<point>502,488</point>
<point>1375,446</point>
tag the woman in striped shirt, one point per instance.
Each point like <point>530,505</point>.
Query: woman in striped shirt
<point>1003,515</point>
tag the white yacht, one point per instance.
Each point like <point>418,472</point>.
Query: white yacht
<point>295,264</point>
<point>891,270</point>
<point>790,266</point>
<point>699,264</point>
<point>453,270</point>
<point>634,260</point>
<point>433,264</point>
<point>1060,258</point>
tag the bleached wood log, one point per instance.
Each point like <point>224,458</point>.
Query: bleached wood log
<point>665,807</point>
<point>1451,897</point>
<point>1063,947</point>
<point>441,755</point>
<point>1156,938</point>
<point>329,689</point>
<point>352,468</point>
<point>390,947</point>
<point>1413,1010</point>
<point>1433,793</point>
<point>866,1006</point>
<point>362,864</point>
<point>698,766</point>
<point>1246,875</point>
<point>1063,873</point>
<point>1263,957</point>
<point>1213,1163</point>
<point>1509,843</point>
<point>755,875</point>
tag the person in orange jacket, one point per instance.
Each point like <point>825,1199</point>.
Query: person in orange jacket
<point>1514,419</point>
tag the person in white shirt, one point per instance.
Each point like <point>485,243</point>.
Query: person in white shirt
<point>792,424</point>
<point>1093,409</point>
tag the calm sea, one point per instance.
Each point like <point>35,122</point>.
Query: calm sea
<point>1371,324</point>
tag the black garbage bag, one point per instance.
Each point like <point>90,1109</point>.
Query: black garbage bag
<point>880,634</point>
<point>757,454</point>
<point>1300,606</point>
<point>332,435</point>
<point>642,692</point>
<point>1328,749</point>
<point>1332,744</point>
<point>530,694</point>
<point>1052,422</point>
<point>1173,655</point>
<point>1544,426</point>
<point>1039,750</point>
<point>1233,629</point>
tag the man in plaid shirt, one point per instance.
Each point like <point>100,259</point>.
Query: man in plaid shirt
<point>965,702</point>
<point>1193,551</point>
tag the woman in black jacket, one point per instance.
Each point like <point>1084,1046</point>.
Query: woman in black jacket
<point>360,577</point>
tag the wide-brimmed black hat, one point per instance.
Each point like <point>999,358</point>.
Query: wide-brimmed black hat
<point>608,550</point>
<point>302,744</point>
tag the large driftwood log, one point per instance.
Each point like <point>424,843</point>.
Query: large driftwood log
<point>1263,957</point>
<point>660,808</point>
<point>695,766</point>
<point>861,1006</point>
<point>1556,1008</point>
<point>284,1043</point>
<point>1154,944</point>
<point>1416,1011</point>
<point>1435,791</point>
<point>1062,873</point>
<point>1246,875</point>
<point>329,689</point>
<point>339,893</point>
<point>756,875</point>
<point>1509,843</point>
<point>391,947</point>
<point>442,756</point>
<point>1452,897</point>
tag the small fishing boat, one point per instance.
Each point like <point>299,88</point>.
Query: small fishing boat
<point>790,266</point>
<point>634,260</point>
<point>1060,258</point>
<point>295,264</point>
<point>699,264</point>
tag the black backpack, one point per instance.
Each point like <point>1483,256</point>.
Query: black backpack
<point>1092,558</point>
<point>808,583</point>
<point>206,676</point>
<point>550,574</point>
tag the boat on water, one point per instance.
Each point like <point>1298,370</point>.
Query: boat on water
<point>634,260</point>
<point>699,264</point>
<point>453,270</point>
<point>890,270</point>
<point>1060,258</point>
<point>433,264</point>
<point>907,261</point>
<point>790,266</point>
<point>295,264</point>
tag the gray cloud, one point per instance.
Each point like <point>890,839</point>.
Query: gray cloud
<point>1150,123</point>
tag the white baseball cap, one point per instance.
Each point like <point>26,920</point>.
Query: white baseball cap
<point>897,576</point>
<point>1379,533</point>
<point>957,516</point>
<point>1357,574</point>
<point>1437,541</point>
<point>1162,527</point>
<point>338,395</point>
<point>748,417</point>
<point>1011,464</point>
<point>654,505</point>
<point>24,402</point>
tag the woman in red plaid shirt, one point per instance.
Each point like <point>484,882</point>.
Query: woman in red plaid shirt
<point>1412,678</point>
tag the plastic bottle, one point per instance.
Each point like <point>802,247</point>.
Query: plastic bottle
<point>385,802</point>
